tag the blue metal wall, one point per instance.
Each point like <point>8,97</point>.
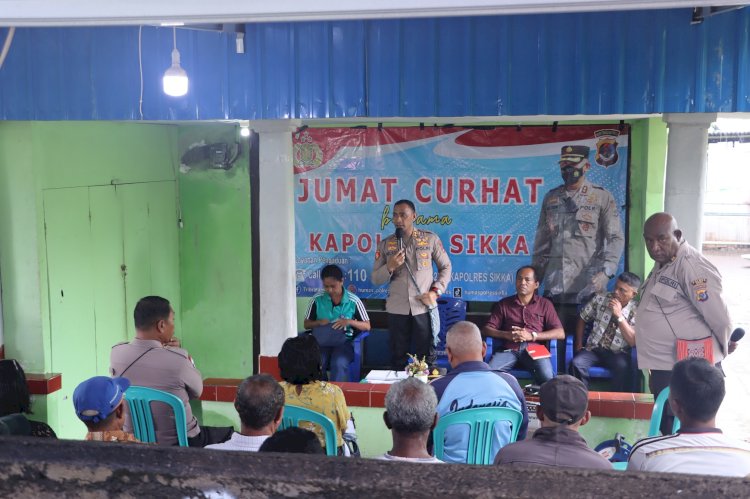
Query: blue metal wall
<point>562,64</point>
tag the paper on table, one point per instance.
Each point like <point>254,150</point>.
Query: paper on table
<point>383,376</point>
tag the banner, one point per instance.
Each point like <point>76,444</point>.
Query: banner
<point>480,190</point>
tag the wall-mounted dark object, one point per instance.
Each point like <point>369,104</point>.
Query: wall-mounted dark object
<point>219,156</point>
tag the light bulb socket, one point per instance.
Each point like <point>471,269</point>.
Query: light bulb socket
<point>175,81</point>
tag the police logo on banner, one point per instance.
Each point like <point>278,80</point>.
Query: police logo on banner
<point>606,147</point>
<point>307,154</point>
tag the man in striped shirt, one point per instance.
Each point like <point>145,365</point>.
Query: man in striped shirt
<point>345,312</point>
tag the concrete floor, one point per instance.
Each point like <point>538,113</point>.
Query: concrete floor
<point>734,415</point>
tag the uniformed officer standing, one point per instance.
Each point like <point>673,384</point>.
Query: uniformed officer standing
<point>154,360</point>
<point>579,239</point>
<point>681,299</point>
<point>407,303</point>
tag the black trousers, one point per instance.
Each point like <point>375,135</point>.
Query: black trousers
<point>211,435</point>
<point>617,363</point>
<point>568,314</point>
<point>408,330</point>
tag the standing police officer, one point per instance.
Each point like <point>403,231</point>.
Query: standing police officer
<point>408,304</point>
<point>680,300</point>
<point>579,240</point>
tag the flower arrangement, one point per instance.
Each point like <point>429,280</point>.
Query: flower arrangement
<point>416,367</point>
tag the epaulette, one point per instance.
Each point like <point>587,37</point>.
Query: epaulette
<point>178,351</point>
<point>121,343</point>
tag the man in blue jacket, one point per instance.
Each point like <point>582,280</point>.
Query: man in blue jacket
<point>471,384</point>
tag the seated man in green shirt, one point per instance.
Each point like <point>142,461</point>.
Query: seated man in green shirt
<point>345,312</point>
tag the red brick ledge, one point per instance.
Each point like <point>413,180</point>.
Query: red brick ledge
<point>43,384</point>
<point>601,404</point>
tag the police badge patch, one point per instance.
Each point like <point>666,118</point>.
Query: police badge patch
<point>700,288</point>
<point>606,147</point>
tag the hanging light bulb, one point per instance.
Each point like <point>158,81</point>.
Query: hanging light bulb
<point>175,78</point>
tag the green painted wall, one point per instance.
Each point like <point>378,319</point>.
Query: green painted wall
<point>112,194</point>
<point>215,260</point>
<point>600,429</point>
<point>79,200</point>
<point>648,164</point>
<point>19,248</point>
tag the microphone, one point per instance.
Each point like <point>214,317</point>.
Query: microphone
<point>737,335</point>
<point>400,239</point>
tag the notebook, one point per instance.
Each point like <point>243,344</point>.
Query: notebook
<point>537,351</point>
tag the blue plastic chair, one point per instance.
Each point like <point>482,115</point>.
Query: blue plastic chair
<point>481,424</point>
<point>139,402</point>
<point>600,372</point>
<point>658,411</point>
<point>293,415</point>
<point>522,373</point>
<point>355,366</point>
<point>451,311</point>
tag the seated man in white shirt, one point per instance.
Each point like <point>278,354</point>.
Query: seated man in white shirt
<point>696,391</point>
<point>410,414</point>
<point>260,404</point>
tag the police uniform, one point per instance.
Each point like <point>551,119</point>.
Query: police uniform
<point>578,235</point>
<point>680,299</point>
<point>148,363</point>
<point>407,315</point>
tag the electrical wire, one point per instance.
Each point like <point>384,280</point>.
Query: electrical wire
<point>140,71</point>
<point>6,45</point>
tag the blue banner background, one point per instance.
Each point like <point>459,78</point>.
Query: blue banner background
<point>325,226</point>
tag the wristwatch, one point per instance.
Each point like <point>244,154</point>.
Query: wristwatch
<point>533,336</point>
<point>620,319</point>
<point>436,290</point>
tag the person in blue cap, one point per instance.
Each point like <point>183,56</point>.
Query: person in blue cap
<point>99,403</point>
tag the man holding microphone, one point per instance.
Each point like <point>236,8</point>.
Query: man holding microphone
<point>404,261</point>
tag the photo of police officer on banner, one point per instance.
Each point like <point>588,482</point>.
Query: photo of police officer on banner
<point>579,239</point>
